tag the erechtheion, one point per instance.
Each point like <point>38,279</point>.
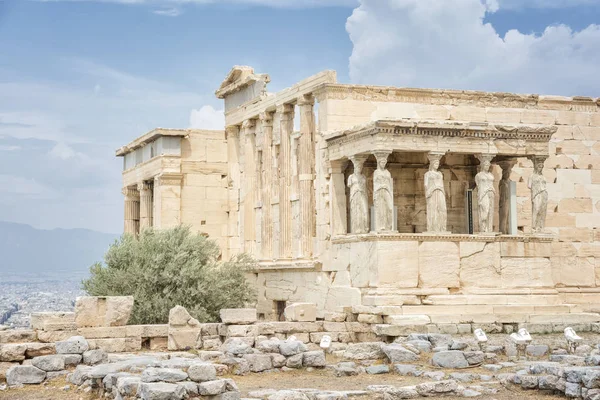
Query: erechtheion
<point>453,205</point>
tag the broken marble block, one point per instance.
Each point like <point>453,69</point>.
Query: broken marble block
<point>92,311</point>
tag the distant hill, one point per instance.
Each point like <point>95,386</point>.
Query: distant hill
<point>33,255</point>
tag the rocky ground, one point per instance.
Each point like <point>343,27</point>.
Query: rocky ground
<point>417,366</point>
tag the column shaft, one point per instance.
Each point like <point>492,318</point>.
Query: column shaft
<point>132,210</point>
<point>146,205</point>
<point>285,180</point>
<point>306,154</point>
<point>249,195</point>
<point>266,120</point>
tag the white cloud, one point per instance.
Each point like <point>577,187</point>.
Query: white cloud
<point>446,44</point>
<point>170,12</point>
<point>62,151</point>
<point>207,118</point>
<point>9,148</point>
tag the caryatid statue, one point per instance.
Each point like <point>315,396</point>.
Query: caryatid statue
<point>383,194</point>
<point>359,201</point>
<point>504,189</point>
<point>435,195</point>
<point>486,194</point>
<point>539,196</point>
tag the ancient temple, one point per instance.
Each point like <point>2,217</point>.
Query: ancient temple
<point>456,205</point>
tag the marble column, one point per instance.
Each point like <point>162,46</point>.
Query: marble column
<point>132,210</point>
<point>486,193</point>
<point>504,195</point>
<point>286,113</point>
<point>232,133</point>
<point>306,147</point>
<point>539,195</point>
<point>266,122</point>
<point>249,181</point>
<point>146,204</point>
<point>337,195</point>
<point>359,201</point>
<point>383,194</point>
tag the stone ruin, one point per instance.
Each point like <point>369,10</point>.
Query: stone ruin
<point>96,352</point>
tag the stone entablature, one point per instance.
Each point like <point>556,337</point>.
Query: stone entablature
<point>456,97</point>
<point>441,136</point>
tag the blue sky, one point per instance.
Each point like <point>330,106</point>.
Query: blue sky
<point>79,78</point>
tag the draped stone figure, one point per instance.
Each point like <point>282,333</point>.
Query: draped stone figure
<point>383,195</point>
<point>359,202</point>
<point>435,196</point>
<point>539,196</point>
<point>504,189</point>
<point>487,194</point>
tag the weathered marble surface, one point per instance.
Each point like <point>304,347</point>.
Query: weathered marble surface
<point>359,202</point>
<point>539,196</point>
<point>486,195</point>
<point>383,194</point>
<point>436,196</point>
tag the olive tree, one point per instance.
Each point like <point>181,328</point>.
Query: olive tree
<point>165,268</point>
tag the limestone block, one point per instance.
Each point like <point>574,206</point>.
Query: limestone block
<point>522,249</point>
<point>297,327</point>
<point>104,332</point>
<point>12,352</point>
<point>575,235</point>
<point>339,297</point>
<point>39,320</point>
<point>573,118</point>
<point>160,343</point>
<point>574,176</point>
<point>526,272</point>
<point>407,320</point>
<point>468,113</point>
<point>17,336</point>
<point>547,117</point>
<point>242,316</point>
<point>238,330</point>
<point>574,271</point>
<point>397,330</point>
<point>39,349</point>
<point>334,326</point>
<point>301,312</point>
<point>439,264</point>
<point>503,115</point>
<point>118,345</point>
<point>575,206</point>
<point>55,336</point>
<point>398,263</point>
<point>370,318</point>
<point>103,311</point>
<point>479,264</point>
<point>334,316</point>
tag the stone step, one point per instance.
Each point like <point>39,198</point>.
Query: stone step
<point>491,299</point>
<point>463,309</point>
<point>538,319</point>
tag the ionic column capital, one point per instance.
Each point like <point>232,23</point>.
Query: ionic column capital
<point>286,110</point>
<point>266,118</point>
<point>232,131</point>
<point>144,186</point>
<point>305,100</point>
<point>130,193</point>
<point>249,126</point>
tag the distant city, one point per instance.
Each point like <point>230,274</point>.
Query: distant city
<point>19,300</point>
<point>42,270</point>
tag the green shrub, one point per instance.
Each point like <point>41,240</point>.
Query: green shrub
<point>165,268</point>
